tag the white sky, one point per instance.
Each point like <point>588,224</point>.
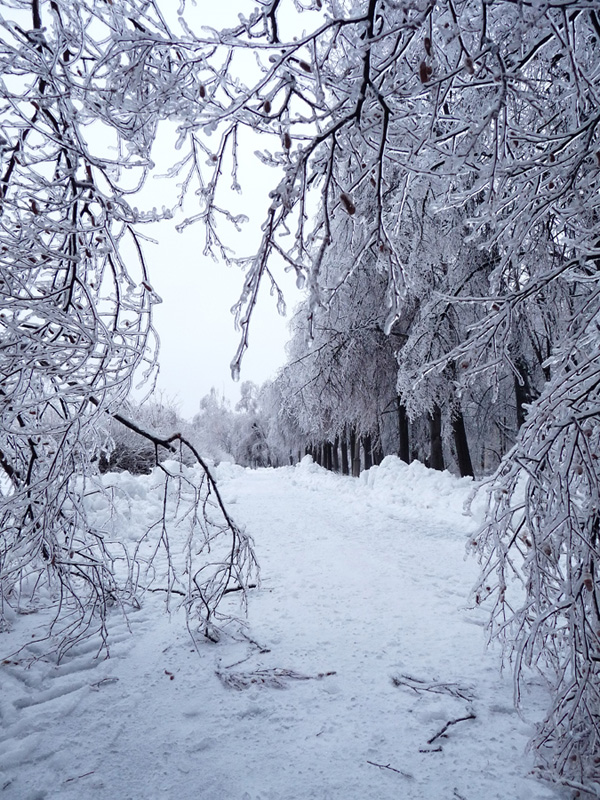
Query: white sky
<point>198,337</point>
<point>196,328</point>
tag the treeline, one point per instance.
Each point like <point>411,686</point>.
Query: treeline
<point>362,382</point>
<point>219,432</point>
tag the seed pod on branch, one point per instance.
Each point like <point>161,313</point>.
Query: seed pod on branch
<point>346,201</point>
<point>425,72</point>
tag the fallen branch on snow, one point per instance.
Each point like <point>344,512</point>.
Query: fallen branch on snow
<point>447,725</point>
<point>392,769</point>
<point>276,678</point>
<point>418,685</point>
<point>184,594</point>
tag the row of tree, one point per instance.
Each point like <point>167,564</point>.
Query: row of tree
<point>355,380</point>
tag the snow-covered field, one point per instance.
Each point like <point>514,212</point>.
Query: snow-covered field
<point>361,647</point>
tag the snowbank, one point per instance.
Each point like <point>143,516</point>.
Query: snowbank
<point>407,489</point>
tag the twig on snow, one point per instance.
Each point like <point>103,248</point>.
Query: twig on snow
<point>77,777</point>
<point>418,685</point>
<point>261,648</point>
<point>447,725</point>
<point>392,769</point>
<point>229,590</point>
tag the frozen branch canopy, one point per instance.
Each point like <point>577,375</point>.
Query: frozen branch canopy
<point>83,87</point>
<point>383,123</point>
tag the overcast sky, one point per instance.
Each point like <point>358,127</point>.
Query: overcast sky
<point>198,337</point>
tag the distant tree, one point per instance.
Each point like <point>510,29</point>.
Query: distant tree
<point>341,369</point>
<point>240,436</point>
<point>248,401</point>
<point>213,427</point>
<point>251,429</point>
<point>284,435</point>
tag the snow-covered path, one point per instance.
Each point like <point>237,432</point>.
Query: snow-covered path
<point>364,582</point>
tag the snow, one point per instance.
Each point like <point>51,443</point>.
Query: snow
<point>361,646</point>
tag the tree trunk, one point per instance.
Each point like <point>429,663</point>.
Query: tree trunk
<point>367,445</point>
<point>327,455</point>
<point>335,460</point>
<point>523,393</point>
<point>403,439</point>
<point>344,449</point>
<point>436,456</point>
<point>378,454</point>
<point>462,446</point>
<point>354,452</point>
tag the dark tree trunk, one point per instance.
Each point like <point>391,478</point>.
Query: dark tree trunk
<point>355,453</point>
<point>462,446</point>
<point>327,458</point>
<point>335,458</point>
<point>344,449</point>
<point>378,454</point>
<point>403,439</point>
<point>436,456</point>
<point>367,445</point>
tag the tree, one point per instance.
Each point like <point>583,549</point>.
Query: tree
<point>240,436</point>
<point>341,371</point>
<point>213,427</point>
<point>125,449</point>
